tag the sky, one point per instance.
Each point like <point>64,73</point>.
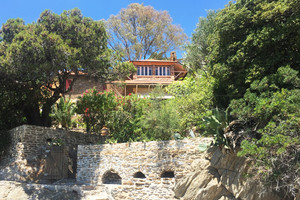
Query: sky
<point>183,12</point>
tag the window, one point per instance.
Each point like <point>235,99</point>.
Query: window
<point>139,71</point>
<point>168,71</point>
<point>162,71</point>
<point>144,71</point>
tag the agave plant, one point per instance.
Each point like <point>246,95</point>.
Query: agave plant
<point>63,111</point>
<point>216,124</point>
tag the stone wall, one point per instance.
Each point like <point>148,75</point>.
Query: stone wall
<point>152,170</point>
<point>82,84</point>
<point>131,160</point>
<point>30,146</point>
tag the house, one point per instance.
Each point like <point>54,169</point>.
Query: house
<point>150,73</point>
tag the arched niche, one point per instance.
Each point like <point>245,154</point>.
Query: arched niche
<point>167,174</point>
<point>111,177</point>
<point>139,175</point>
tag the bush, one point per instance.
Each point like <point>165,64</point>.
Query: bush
<point>273,104</point>
<point>125,121</point>
<point>122,115</point>
<point>96,108</point>
<point>63,111</point>
<point>161,120</point>
<point>216,123</point>
<point>193,100</point>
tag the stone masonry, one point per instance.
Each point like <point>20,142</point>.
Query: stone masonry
<point>162,164</point>
<point>138,170</point>
<point>30,145</point>
<point>164,170</point>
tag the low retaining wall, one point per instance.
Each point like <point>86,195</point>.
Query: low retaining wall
<point>109,171</point>
<point>124,165</point>
<point>30,145</point>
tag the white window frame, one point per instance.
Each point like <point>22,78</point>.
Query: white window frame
<point>144,71</point>
<point>163,71</point>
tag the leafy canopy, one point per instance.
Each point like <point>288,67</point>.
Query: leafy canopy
<point>246,41</point>
<point>251,50</point>
<point>139,31</point>
<point>273,104</point>
<point>37,59</point>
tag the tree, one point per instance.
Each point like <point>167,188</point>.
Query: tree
<point>272,103</point>
<point>8,96</point>
<point>253,56</point>
<point>11,28</point>
<point>37,59</point>
<point>250,40</point>
<point>197,50</point>
<point>140,31</point>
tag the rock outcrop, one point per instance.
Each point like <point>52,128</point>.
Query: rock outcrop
<point>11,190</point>
<point>220,175</point>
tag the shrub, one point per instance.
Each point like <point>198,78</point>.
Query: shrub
<point>125,120</point>
<point>193,100</point>
<point>63,111</point>
<point>216,123</point>
<point>160,120</point>
<point>273,103</point>
<point>96,108</point>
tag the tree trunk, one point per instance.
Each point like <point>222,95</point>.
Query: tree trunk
<point>32,114</point>
<point>38,117</point>
<point>46,119</point>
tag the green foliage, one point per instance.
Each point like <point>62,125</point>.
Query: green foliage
<point>161,120</point>
<point>197,50</point>
<point>273,103</point>
<point>11,28</point>
<point>140,31</point>
<point>125,122</point>
<point>36,59</point>
<point>121,70</point>
<point>182,88</point>
<point>244,42</point>
<point>216,123</point>
<point>251,50</point>
<point>277,155</point>
<point>273,98</point>
<point>10,114</point>
<point>63,111</point>
<point>192,100</point>
<point>96,108</point>
<point>56,142</point>
<point>122,115</point>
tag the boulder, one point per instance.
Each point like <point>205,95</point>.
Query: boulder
<point>221,176</point>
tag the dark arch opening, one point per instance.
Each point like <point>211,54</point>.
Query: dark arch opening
<point>139,175</point>
<point>167,174</point>
<point>111,177</point>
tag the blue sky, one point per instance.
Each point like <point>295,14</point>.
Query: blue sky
<point>184,12</point>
